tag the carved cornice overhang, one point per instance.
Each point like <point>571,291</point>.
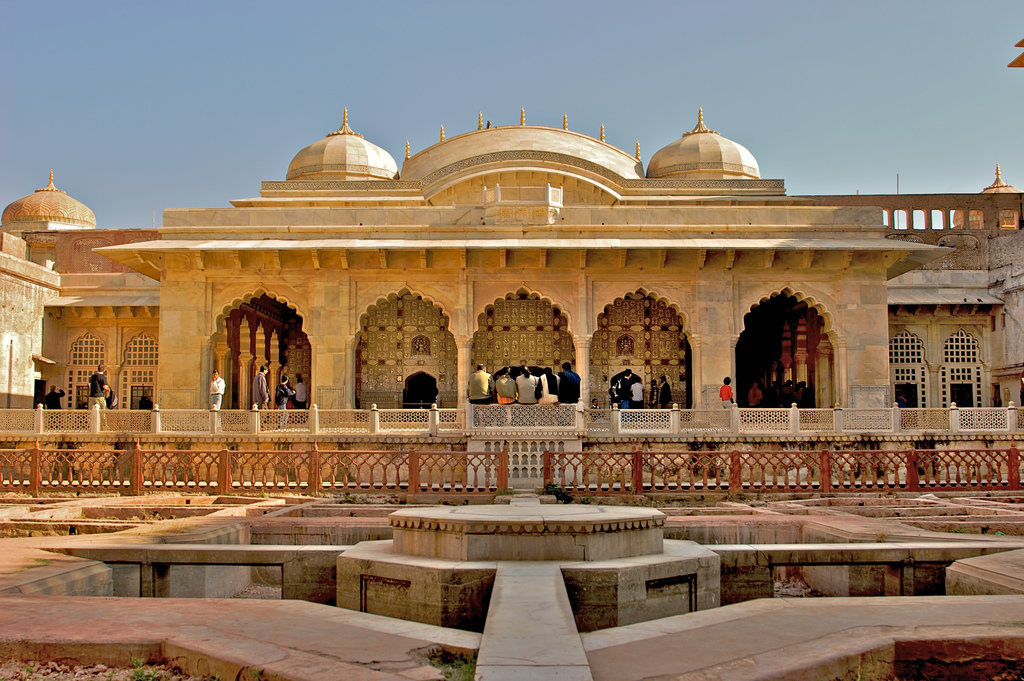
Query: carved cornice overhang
<point>525,527</point>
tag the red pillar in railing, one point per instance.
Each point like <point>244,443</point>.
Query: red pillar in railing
<point>224,473</point>
<point>825,471</point>
<point>314,483</point>
<point>735,473</point>
<point>135,474</point>
<point>638,471</point>
<point>414,473</point>
<point>548,469</point>
<point>913,478</point>
<point>1013,456</point>
<point>35,472</point>
<point>503,469</point>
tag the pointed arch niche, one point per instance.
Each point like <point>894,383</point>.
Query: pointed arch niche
<point>646,334</point>
<point>783,344</point>
<point>522,328</point>
<point>404,345</point>
<point>258,330</point>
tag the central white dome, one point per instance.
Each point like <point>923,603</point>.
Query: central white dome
<point>342,155</point>
<point>703,154</point>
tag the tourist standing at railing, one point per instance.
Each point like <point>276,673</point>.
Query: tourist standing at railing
<point>549,387</point>
<point>283,393</point>
<point>505,386</point>
<point>754,395</point>
<point>652,394</point>
<point>568,385</point>
<point>526,384</point>
<point>636,393</point>
<point>300,393</point>
<point>481,386</point>
<point>787,395</point>
<point>216,391</point>
<point>664,393</point>
<point>53,398</point>
<point>99,388</point>
<point>620,389</point>
<point>260,390</point>
<point>725,393</point>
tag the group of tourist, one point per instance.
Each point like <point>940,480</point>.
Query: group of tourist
<point>284,394</point>
<point>783,395</point>
<point>627,390</point>
<point>524,385</point>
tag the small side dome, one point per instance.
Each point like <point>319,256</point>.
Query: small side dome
<point>342,155</point>
<point>703,154</point>
<point>49,204</point>
<point>1000,187</point>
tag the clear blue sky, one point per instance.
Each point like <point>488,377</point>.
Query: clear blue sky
<point>143,105</point>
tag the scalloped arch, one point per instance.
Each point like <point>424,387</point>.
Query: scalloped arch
<point>400,293</point>
<point>530,293</point>
<point>645,292</point>
<point>819,306</point>
<point>86,333</point>
<point>256,293</point>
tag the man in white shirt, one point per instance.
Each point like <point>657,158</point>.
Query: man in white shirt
<point>216,391</point>
<point>300,393</point>
<point>527,385</point>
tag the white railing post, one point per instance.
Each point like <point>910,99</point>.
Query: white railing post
<point>314,420</point>
<point>1011,419</point>
<point>213,422</point>
<point>254,420</point>
<point>673,419</point>
<point>470,421</point>
<point>794,419</point>
<point>837,418</point>
<point>614,425</point>
<point>94,419</point>
<point>154,419</point>
<point>374,420</point>
<point>432,420</point>
<point>581,419</point>
<point>734,418</point>
<point>897,418</point>
<point>954,418</point>
<point>37,420</point>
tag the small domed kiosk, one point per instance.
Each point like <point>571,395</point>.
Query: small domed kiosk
<point>703,154</point>
<point>47,209</point>
<point>342,155</point>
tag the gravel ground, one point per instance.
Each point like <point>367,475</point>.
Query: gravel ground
<point>794,587</point>
<point>56,671</point>
<point>258,591</point>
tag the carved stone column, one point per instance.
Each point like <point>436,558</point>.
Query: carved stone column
<point>245,364</point>
<point>274,358</point>
<point>348,399</point>
<point>582,366</point>
<point>823,376</point>
<point>465,347</point>
<point>800,352</point>
<point>841,372</point>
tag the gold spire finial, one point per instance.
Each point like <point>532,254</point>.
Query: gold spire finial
<point>700,127</point>
<point>522,117</point>
<point>602,132</point>
<point>407,148</point>
<point>480,121</point>
<point>442,133</point>
<point>998,176</point>
<point>565,121</point>
<point>638,150</point>
<point>344,129</point>
<point>50,187</point>
<point>51,173</point>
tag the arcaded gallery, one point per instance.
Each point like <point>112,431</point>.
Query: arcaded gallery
<point>524,244</point>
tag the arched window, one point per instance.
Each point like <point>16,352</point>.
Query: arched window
<point>907,369</point>
<point>1008,219</point>
<point>624,346</point>
<point>138,378</point>
<point>421,346</point>
<point>961,370</point>
<point>86,354</point>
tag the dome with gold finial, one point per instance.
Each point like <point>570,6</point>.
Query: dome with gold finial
<point>48,205</point>
<point>1000,187</point>
<point>342,155</point>
<point>703,154</point>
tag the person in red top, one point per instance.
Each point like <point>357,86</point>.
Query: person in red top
<point>725,392</point>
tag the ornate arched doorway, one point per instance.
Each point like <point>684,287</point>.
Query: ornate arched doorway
<point>420,391</point>
<point>784,345</point>
<point>400,337</point>
<point>261,330</point>
<point>646,335</point>
<point>522,328</point>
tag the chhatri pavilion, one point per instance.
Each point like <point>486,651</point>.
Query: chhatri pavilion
<point>508,245</point>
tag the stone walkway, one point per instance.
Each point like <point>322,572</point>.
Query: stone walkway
<point>230,638</point>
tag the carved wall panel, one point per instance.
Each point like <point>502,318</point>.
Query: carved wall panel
<point>521,329</point>
<point>403,335</point>
<point>644,334</point>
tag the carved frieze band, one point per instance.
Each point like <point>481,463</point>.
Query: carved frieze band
<point>483,527</point>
